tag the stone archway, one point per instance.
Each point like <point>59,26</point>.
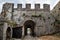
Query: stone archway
<point>8,33</point>
<point>29,24</point>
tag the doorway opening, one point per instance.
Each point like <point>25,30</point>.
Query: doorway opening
<point>29,24</point>
<point>17,32</point>
<point>8,33</point>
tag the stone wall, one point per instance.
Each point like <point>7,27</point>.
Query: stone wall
<point>1,31</point>
<point>41,17</point>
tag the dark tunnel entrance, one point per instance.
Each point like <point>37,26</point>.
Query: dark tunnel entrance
<point>29,24</point>
<point>8,33</point>
<point>17,32</point>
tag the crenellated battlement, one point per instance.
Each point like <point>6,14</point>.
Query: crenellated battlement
<point>46,7</point>
<point>19,6</point>
<point>37,6</point>
<point>28,6</point>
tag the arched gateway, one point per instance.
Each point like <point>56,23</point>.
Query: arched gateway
<point>29,24</point>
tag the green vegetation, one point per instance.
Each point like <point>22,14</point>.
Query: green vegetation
<point>34,16</point>
<point>23,14</point>
<point>48,17</point>
<point>37,15</point>
<point>57,21</point>
<point>44,19</point>
<point>1,23</point>
<point>11,23</point>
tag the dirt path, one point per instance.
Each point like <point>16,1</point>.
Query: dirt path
<point>49,38</point>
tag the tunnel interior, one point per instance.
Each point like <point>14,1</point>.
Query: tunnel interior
<point>29,24</point>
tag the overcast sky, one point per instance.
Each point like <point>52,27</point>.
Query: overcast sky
<point>51,2</point>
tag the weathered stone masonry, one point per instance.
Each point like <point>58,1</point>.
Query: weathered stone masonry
<point>41,17</point>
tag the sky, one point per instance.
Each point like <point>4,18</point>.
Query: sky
<point>51,2</point>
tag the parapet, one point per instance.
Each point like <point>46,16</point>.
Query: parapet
<point>46,7</point>
<point>28,6</point>
<point>19,6</point>
<point>37,6</point>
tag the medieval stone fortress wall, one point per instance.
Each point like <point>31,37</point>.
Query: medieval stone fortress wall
<point>40,21</point>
